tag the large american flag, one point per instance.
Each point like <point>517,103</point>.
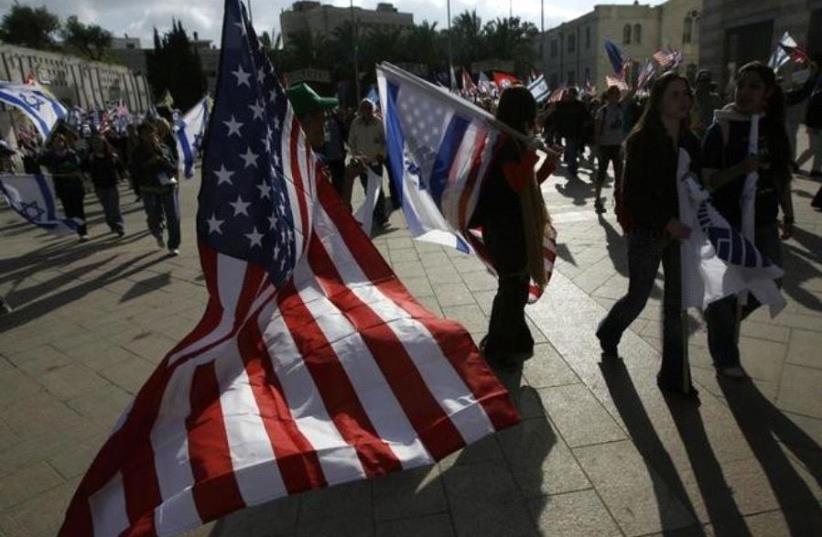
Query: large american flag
<point>312,364</point>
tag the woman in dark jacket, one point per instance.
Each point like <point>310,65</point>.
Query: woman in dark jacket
<point>650,198</point>
<point>153,169</point>
<point>500,214</point>
<point>726,163</point>
<point>105,169</point>
<point>65,167</point>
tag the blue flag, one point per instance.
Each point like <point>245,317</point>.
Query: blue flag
<point>189,131</point>
<point>615,56</point>
<point>32,197</point>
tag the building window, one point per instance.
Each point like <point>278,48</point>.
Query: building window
<point>626,34</point>
<point>572,43</point>
<point>687,29</point>
<point>572,78</point>
<point>637,33</point>
<point>553,48</point>
<point>587,37</point>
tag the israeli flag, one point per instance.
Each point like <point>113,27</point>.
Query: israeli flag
<point>539,89</point>
<point>40,107</point>
<point>189,131</point>
<point>32,197</point>
<point>718,261</point>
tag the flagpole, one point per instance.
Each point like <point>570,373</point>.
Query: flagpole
<point>250,15</point>
<point>542,34</point>
<point>450,56</point>
<point>356,53</point>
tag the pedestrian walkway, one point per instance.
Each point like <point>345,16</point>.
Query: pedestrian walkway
<point>599,450</point>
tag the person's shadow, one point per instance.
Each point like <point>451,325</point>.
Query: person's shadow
<point>664,476</point>
<point>769,433</point>
<point>576,189</point>
<point>616,245</point>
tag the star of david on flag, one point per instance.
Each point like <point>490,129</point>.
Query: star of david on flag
<point>312,364</point>
<point>33,198</point>
<point>43,109</point>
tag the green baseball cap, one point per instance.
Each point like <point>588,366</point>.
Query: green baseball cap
<point>304,99</point>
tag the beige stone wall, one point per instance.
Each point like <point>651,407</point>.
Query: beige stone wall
<point>325,19</point>
<point>74,81</point>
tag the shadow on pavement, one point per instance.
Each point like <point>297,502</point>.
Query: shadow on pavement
<point>770,433</point>
<point>662,471</point>
<point>616,245</point>
<point>146,286</point>
<point>576,189</point>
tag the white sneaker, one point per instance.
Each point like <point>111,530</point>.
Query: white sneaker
<point>174,251</point>
<point>84,238</point>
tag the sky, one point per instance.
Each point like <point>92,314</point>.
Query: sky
<point>137,18</point>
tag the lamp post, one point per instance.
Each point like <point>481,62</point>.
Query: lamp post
<point>451,80</point>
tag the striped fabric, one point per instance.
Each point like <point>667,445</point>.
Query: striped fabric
<point>312,364</point>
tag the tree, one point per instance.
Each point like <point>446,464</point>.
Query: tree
<point>91,40</point>
<point>423,41</point>
<point>175,66</point>
<point>468,38</point>
<point>511,39</point>
<point>29,27</point>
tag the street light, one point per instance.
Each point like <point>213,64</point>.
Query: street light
<point>451,80</point>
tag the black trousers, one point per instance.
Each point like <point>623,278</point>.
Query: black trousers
<point>72,199</point>
<point>609,153</point>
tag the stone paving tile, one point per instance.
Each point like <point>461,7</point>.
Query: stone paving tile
<point>443,274</point>
<point>799,390</point>
<point>40,516</point>
<point>73,380</point>
<point>484,450</point>
<point>26,483</point>
<point>479,494</point>
<point>580,418</point>
<point>277,518</point>
<point>349,500</point>
<point>470,316</point>
<point>453,294</point>
<point>419,286</point>
<point>413,493</point>
<point>540,461</point>
<point>805,348</point>
<point>572,515</point>
<point>546,368</point>
<point>130,376</point>
<point>638,499</point>
<point>429,526</point>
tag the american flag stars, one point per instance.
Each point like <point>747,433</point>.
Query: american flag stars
<point>242,76</point>
<point>233,126</point>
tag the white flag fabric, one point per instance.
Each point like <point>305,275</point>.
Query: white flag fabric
<point>365,214</point>
<point>539,88</point>
<point>42,108</point>
<point>189,131</point>
<point>717,261</point>
<point>780,57</point>
<point>33,198</point>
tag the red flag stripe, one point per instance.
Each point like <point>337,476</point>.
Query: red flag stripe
<point>337,393</point>
<point>460,351</point>
<point>296,458</point>
<point>392,358</point>
<point>215,490</point>
<point>301,192</point>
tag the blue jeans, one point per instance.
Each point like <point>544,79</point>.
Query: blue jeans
<point>645,252</point>
<point>721,316</point>
<point>110,200</point>
<point>162,204</point>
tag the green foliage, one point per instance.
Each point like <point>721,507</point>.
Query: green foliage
<point>30,27</point>
<point>91,40</point>
<point>175,66</point>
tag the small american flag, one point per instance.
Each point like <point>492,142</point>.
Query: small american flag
<point>668,59</point>
<point>312,364</point>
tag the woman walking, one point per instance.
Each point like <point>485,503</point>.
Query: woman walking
<point>65,167</point>
<point>105,169</point>
<point>650,199</point>
<point>727,161</point>
<point>513,224</point>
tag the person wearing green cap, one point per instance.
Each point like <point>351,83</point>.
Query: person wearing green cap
<point>310,110</point>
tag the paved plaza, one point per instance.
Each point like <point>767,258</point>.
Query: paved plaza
<point>599,451</point>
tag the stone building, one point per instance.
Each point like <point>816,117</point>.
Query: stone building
<point>736,32</point>
<point>573,53</point>
<point>323,19</point>
<point>73,80</point>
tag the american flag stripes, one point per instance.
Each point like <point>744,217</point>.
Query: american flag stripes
<point>312,364</point>
<point>668,59</point>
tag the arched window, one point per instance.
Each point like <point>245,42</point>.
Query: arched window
<point>572,43</point>
<point>587,37</point>
<point>637,33</point>
<point>626,34</point>
<point>687,29</point>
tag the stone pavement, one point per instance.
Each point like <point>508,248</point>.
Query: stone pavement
<point>599,450</point>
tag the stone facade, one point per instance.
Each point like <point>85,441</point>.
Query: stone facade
<point>322,19</point>
<point>76,82</point>
<point>573,51</point>
<point>735,32</point>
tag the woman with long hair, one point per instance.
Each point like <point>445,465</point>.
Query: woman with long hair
<point>727,161</point>
<point>105,169</point>
<point>649,197</point>
<point>512,216</point>
<point>65,167</point>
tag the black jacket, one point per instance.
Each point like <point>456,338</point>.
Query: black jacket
<point>650,189</point>
<point>813,116</point>
<point>148,164</point>
<point>105,171</point>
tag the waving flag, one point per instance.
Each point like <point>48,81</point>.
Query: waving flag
<point>786,50</point>
<point>616,57</point>
<point>616,81</point>
<point>42,108</point>
<point>189,131</point>
<point>539,89</point>
<point>668,59</point>
<point>312,364</point>
<point>468,85</point>
<point>504,80</point>
<point>718,261</point>
<point>484,83</point>
<point>646,75</point>
<point>33,198</point>
<point>440,149</point>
